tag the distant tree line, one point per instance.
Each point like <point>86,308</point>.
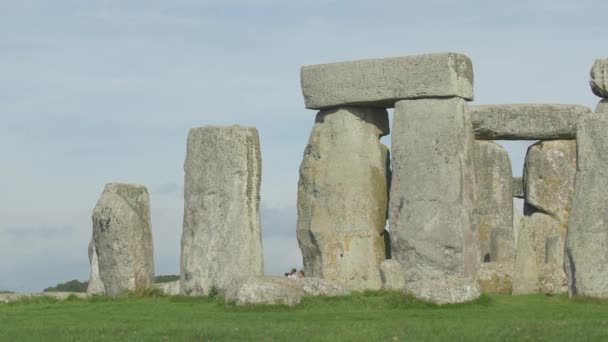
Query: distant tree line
<point>81,286</point>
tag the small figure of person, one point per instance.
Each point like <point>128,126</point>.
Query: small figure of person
<point>301,274</point>
<point>293,274</point>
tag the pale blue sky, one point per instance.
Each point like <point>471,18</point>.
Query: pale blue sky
<point>99,91</point>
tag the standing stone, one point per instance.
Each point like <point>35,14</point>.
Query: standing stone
<point>602,106</point>
<point>518,187</point>
<point>586,257</point>
<point>525,271</point>
<point>494,202</point>
<point>222,236</point>
<point>343,197</point>
<point>393,277</point>
<point>433,231</point>
<point>123,238</point>
<point>599,78</point>
<point>95,285</point>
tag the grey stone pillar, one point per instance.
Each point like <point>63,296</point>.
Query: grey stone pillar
<point>343,197</point>
<point>433,232</point>
<point>222,236</point>
<point>123,238</point>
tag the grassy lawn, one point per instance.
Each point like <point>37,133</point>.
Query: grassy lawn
<point>361,317</point>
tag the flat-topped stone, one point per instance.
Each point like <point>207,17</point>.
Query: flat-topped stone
<point>526,121</point>
<point>382,82</point>
<point>599,77</point>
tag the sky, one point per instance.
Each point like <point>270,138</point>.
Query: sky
<point>103,91</point>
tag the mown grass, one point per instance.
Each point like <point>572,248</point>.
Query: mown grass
<point>372,316</point>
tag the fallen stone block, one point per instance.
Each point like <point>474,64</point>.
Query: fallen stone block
<point>526,121</point>
<point>311,286</point>
<point>169,288</point>
<point>450,290</point>
<point>495,277</point>
<point>263,290</point>
<point>382,82</point>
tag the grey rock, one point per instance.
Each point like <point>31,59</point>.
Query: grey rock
<point>518,218</point>
<point>222,236</point>
<point>599,78</point>
<point>263,290</point>
<point>549,171</point>
<point>393,276</point>
<point>95,285</point>
<point>343,197</point>
<point>518,187</point>
<point>311,286</point>
<point>123,238</point>
<point>526,121</point>
<point>602,106</point>
<point>382,82</point>
<point>495,277</point>
<point>445,291</point>
<point>525,270</point>
<point>494,202</point>
<point>169,288</point>
<point>586,255</point>
<point>431,216</point>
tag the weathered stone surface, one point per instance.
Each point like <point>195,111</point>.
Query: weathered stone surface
<point>343,197</point>
<point>518,187</point>
<point>263,290</point>
<point>95,285</point>
<point>311,286</point>
<point>525,270</point>
<point>494,201</point>
<point>169,288</point>
<point>526,121</point>
<point>602,106</point>
<point>495,277</point>
<point>60,296</point>
<point>599,78</point>
<point>432,224</point>
<point>123,238</point>
<point>393,276</point>
<point>551,279</point>
<point>587,238</point>
<point>518,218</point>
<point>445,291</point>
<point>221,237</point>
<point>549,171</point>
<point>382,82</point>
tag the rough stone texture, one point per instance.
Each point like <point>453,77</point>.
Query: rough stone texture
<point>123,238</point>
<point>602,106</point>
<point>599,78</point>
<point>502,245</point>
<point>445,291</point>
<point>343,197</point>
<point>494,201</point>
<point>170,288</point>
<point>432,224</point>
<point>495,277</point>
<point>551,279</point>
<point>393,276</point>
<point>518,187</point>
<point>263,290</point>
<point>525,270</point>
<point>549,171</point>
<point>311,286</point>
<point>526,121</point>
<point>587,238</point>
<point>382,82</point>
<point>60,296</point>
<point>95,285</point>
<point>518,218</point>
<point>222,236</point>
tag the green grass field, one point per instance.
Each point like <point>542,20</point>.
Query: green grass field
<point>360,317</point>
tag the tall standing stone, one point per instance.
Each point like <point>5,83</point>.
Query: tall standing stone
<point>586,256</point>
<point>549,173</point>
<point>343,197</point>
<point>433,232</point>
<point>222,236</point>
<point>95,285</point>
<point>123,238</point>
<point>494,202</point>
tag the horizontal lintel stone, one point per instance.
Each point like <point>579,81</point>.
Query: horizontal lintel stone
<point>526,121</point>
<point>382,82</point>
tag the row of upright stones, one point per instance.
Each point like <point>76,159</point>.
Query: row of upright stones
<point>345,176</point>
